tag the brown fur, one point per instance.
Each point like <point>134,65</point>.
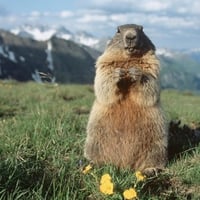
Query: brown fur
<point>126,126</point>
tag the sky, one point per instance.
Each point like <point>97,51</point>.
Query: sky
<point>171,24</point>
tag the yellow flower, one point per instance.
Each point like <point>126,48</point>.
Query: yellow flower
<point>130,194</point>
<point>140,176</point>
<point>87,169</point>
<point>105,178</point>
<point>107,187</point>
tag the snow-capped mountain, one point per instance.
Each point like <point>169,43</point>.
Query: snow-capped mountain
<point>85,38</point>
<point>40,33</point>
<point>43,33</point>
<point>165,52</point>
<point>63,33</point>
<point>179,68</point>
<point>171,53</point>
<point>194,53</point>
<point>56,59</point>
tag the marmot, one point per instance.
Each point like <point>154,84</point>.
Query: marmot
<point>126,126</point>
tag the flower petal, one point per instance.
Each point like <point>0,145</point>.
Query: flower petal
<point>87,169</point>
<point>130,194</point>
<point>107,188</point>
<point>105,178</point>
<point>140,176</point>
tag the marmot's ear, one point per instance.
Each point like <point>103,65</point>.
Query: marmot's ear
<point>140,28</point>
<point>118,30</point>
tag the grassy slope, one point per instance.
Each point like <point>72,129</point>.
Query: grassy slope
<point>42,131</point>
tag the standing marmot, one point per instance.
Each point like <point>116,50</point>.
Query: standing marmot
<point>126,126</point>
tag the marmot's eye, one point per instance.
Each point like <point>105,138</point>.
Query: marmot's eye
<point>118,30</point>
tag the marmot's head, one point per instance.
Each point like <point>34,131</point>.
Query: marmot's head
<point>131,39</point>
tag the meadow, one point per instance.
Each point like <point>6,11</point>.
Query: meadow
<point>42,133</point>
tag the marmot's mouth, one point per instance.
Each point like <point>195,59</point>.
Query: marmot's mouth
<point>131,50</point>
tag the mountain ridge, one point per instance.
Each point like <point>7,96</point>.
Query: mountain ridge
<point>23,58</point>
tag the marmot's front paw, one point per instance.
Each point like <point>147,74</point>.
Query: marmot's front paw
<point>119,73</point>
<point>135,74</point>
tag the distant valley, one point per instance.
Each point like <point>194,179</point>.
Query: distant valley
<point>57,55</point>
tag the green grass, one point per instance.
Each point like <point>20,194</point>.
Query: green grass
<point>181,105</point>
<point>42,133</point>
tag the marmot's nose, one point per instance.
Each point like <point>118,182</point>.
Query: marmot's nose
<point>131,39</point>
<point>131,35</point>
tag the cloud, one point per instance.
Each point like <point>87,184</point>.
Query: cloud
<point>174,6</point>
<point>35,14</point>
<point>65,14</point>
<point>172,14</point>
<point>89,18</point>
<point>154,6</point>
